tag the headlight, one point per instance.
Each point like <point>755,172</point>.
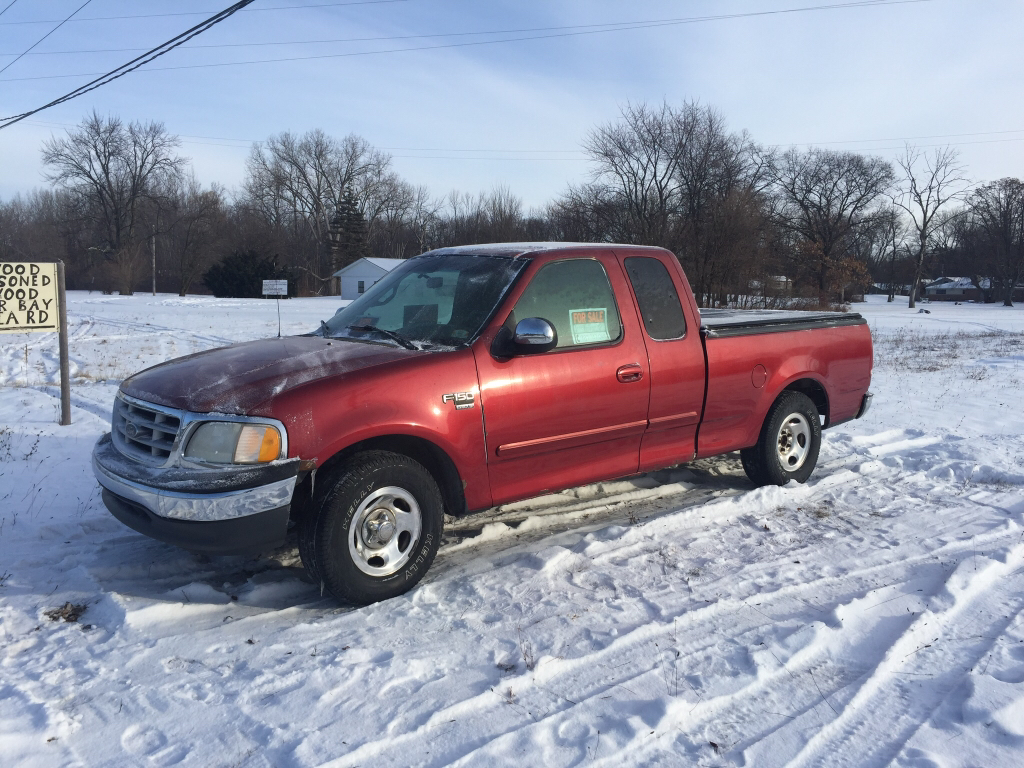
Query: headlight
<point>227,442</point>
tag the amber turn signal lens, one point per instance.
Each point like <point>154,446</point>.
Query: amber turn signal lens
<point>257,445</point>
<point>270,450</point>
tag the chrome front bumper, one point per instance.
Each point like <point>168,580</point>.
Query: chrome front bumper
<point>194,495</point>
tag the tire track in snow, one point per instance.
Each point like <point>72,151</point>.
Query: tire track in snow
<point>800,685</point>
<point>184,333</point>
<point>867,730</point>
<point>482,719</point>
<point>77,401</point>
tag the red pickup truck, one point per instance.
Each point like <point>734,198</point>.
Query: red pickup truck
<point>466,378</point>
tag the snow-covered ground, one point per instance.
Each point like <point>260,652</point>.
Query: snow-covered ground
<point>870,617</point>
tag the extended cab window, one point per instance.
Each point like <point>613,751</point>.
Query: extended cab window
<point>659,303</point>
<point>576,298</point>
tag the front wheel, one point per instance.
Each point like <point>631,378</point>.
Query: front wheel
<point>375,530</point>
<point>788,446</point>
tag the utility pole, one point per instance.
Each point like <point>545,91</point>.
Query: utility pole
<point>152,248</point>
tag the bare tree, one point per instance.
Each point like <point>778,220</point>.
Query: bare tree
<point>504,213</point>
<point>887,238</point>
<point>995,227</point>
<point>115,170</point>
<point>930,182</point>
<point>676,177</point>
<point>824,197</point>
<point>495,216</point>
<point>420,218</point>
<point>298,182</point>
<point>194,219</point>
<point>637,158</point>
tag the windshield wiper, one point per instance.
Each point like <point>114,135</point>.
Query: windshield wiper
<point>390,334</point>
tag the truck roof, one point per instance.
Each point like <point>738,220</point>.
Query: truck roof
<point>520,249</point>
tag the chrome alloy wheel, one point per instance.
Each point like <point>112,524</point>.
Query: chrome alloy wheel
<point>383,531</point>
<point>794,441</point>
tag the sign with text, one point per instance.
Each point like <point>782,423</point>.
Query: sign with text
<point>589,326</point>
<point>275,287</point>
<point>28,297</point>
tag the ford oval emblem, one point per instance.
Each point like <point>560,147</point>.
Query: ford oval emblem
<point>131,430</point>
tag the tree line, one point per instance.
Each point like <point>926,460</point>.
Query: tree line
<point>751,225</point>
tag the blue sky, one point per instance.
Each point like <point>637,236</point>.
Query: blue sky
<point>515,113</point>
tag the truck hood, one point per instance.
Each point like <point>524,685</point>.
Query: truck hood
<point>238,378</point>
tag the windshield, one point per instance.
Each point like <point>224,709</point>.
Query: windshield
<point>428,301</point>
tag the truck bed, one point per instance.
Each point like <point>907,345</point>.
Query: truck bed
<point>722,323</point>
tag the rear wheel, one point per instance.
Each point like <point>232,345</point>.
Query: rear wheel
<point>788,446</point>
<point>375,529</point>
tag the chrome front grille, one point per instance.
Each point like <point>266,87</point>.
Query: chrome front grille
<point>146,433</point>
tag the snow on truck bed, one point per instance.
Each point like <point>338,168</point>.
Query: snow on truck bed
<point>869,617</point>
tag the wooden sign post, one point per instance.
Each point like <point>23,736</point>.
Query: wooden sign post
<point>32,299</point>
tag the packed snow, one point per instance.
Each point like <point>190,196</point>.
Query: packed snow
<point>869,617</point>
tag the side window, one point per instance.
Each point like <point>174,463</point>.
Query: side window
<point>655,293</point>
<point>576,298</point>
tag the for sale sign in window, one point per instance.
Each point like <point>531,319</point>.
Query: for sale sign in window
<point>589,325</point>
<point>28,297</point>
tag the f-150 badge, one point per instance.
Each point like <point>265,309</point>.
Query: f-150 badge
<point>462,400</point>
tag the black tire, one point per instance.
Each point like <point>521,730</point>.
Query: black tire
<point>349,559</point>
<point>789,443</point>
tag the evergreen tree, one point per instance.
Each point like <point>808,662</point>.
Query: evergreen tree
<point>240,275</point>
<point>348,233</point>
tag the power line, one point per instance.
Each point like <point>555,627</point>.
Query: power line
<point>135,63</point>
<point>239,142</point>
<point>7,6</point>
<point>579,31</point>
<point>929,146</point>
<point>903,138</point>
<point>910,139</point>
<point>202,13</point>
<point>37,42</point>
<point>609,27</point>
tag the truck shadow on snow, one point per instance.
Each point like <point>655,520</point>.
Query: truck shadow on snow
<point>136,568</point>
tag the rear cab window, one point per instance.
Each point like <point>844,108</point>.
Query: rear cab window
<point>656,295</point>
<point>576,297</point>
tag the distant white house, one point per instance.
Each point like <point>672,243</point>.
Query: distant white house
<point>955,289</point>
<point>358,276</point>
<point>775,285</point>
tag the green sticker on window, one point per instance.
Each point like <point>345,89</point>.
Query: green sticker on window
<point>589,326</point>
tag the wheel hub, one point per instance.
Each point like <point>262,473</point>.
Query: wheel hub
<point>384,530</point>
<point>379,528</point>
<point>794,442</point>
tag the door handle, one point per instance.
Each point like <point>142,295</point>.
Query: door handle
<point>631,372</point>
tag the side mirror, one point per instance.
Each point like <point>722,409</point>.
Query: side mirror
<point>532,336</point>
<point>535,334</point>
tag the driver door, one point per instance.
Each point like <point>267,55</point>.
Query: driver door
<point>576,413</point>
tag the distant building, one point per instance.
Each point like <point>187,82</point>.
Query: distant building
<point>774,285</point>
<point>955,289</point>
<point>964,289</point>
<point>358,276</point>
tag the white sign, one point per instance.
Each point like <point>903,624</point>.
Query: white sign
<point>275,287</point>
<point>28,297</point>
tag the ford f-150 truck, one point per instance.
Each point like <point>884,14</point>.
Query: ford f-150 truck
<point>467,378</point>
